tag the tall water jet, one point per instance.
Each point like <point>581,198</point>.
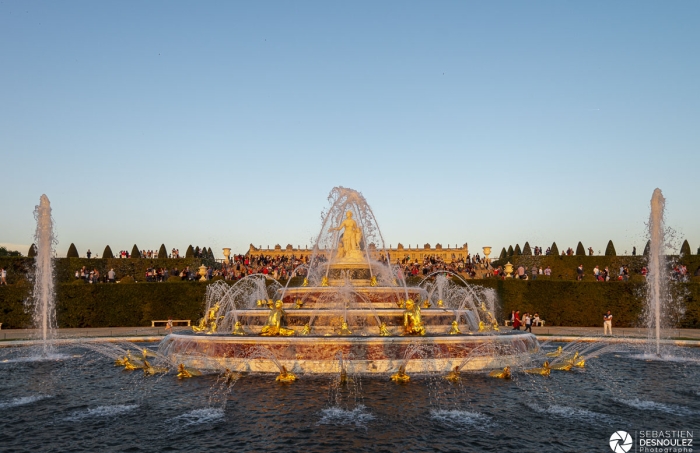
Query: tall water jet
<point>656,282</point>
<point>43,294</point>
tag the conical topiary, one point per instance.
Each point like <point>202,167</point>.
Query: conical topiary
<point>580,250</point>
<point>32,251</point>
<point>190,252</point>
<point>504,254</point>
<point>162,252</point>
<point>610,249</point>
<point>517,250</point>
<point>135,252</point>
<point>72,251</point>
<point>526,249</point>
<point>554,249</point>
<point>107,254</point>
<point>510,250</point>
<point>685,248</point>
<point>211,254</point>
<point>647,247</point>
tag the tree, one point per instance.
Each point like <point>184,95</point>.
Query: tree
<point>554,249</point>
<point>72,251</point>
<point>135,252</point>
<point>504,254</point>
<point>610,249</point>
<point>580,250</point>
<point>685,248</point>
<point>32,251</point>
<point>526,249</point>
<point>5,252</point>
<point>211,254</point>
<point>107,253</point>
<point>517,250</point>
<point>162,253</point>
<point>190,252</point>
<point>646,248</point>
<point>510,250</point>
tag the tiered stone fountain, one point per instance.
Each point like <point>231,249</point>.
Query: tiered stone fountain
<point>352,302</point>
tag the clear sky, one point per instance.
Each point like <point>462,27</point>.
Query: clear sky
<point>227,123</point>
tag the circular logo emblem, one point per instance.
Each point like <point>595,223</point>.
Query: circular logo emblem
<point>621,442</point>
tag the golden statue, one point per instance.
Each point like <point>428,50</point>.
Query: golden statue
<point>495,326</point>
<point>306,282</point>
<point>544,371</point>
<point>501,374</point>
<point>238,329</point>
<point>299,303</point>
<point>286,376</point>
<point>129,365</point>
<point>556,353</point>
<point>201,326</point>
<point>455,328</point>
<point>440,303</point>
<point>208,322</point>
<point>150,370</point>
<point>270,304</point>
<point>373,281</point>
<point>482,326</point>
<point>401,376</point>
<point>426,303</point>
<point>564,366</point>
<point>350,241</point>
<point>400,303</point>
<point>182,372</point>
<point>412,324</point>
<point>383,331</point>
<point>324,281</point>
<point>344,330</point>
<point>454,376</point>
<point>273,326</point>
<point>306,330</point>
<point>120,361</point>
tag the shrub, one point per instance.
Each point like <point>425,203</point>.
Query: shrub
<point>127,279</point>
<point>510,250</point>
<point>554,249</point>
<point>174,279</point>
<point>211,255</point>
<point>32,251</point>
<point>685,248</point>
<point>504,254</point>
<point>580,250</point>
<point>190,252</point>
<point>135,252</point>
<point>610,249</point>
<point>526,249</point>
<point>72,251</point>
<point>162,253</point>
<point>517,250</point>
<point>107,254</point>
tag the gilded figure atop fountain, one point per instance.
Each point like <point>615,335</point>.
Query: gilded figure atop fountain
<point>273,326</point>
<point>349,247</point>
<point>412,323</point>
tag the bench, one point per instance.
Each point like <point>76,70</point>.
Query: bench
<point>176,322</point>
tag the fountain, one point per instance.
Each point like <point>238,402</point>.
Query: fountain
<point>43,295</point>
<point>352,302</point>
<point>656,280</point>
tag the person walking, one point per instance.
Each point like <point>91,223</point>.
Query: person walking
<point>607,323</point>
<point>528,322</point>
<point>516,321</point>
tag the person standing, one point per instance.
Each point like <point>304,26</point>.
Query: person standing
<point>607,323</point>
<point>516,321</point>
<point>579,272</point>
<point>89,253</point>
<point>528,322</point>
<point>111,276</point>
<point>3,277</point>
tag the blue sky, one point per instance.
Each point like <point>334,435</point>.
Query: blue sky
<point>227,123</point>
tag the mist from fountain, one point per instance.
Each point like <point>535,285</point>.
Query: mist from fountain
<point>656,280</point>
<point>43,300</point>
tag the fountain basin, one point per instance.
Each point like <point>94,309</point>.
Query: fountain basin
<point>363,355</point>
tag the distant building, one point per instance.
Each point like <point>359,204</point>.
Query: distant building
<point>448,254</point>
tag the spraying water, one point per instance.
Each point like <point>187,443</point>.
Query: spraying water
<point>43,294</point>
<point>657,263</point>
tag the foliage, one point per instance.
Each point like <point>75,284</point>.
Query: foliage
<point>190,252</point>
<point>162,252</point>
<point>517,250</point>
<point>107,254</point>
<point>610,249</point>
<point>135,252</point>
<point>580,251</point>
<point>127,279</point>
<point>72,251</point>
<point>503,254</point>
<point>510,250</point>
<point>685,248</point>
<point>4,252</point>
<point>526,249</point>
<point>554,250</point>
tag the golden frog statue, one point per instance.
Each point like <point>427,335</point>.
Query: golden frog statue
<point>373,281</point>
<point>556,353</point>
<point>344,329</point>
<point>306,330</point>
<point>454,330</point>
<point>238,329</point>
<point>383,331</point>
<point>454,375</point>
<point>306,282</point>
<point>208,322</point>
<point>275,320</point>
<point>299,303</point>
<point>150,370</point>
<point>412,323</point>
<point>401,376</point>
<point>501,374</point>
<point>426,303</point>
<point>482,326</point>
<point>544,371</point>
<point>324,281</point>
<point>286,376</point>
<point>440,303</point>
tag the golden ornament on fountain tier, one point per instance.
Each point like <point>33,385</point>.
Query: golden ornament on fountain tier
<point>373,281</point>
<point>440,303</point>
<point>454,375</point>
<point>401,376</point>
<point>299,303</point>
<point>412,322</point>
<point>454,330</point>
<point>306,330</point>
<point>501,374</point>
<point>556,353</point>
<point>426,303</point>
<point>344,330</point>
<point>285,376</point>
<point>238,329</point>
<point>324,281</point>
<point>306,282</point>
<point>275,322</point>
<point>383,331</point>
<point>544,371</point>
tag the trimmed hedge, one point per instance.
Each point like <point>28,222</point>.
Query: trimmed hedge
<point>526,249</point>
<point>135,252</point>
<point>610,249</point>
<point>685,248</point>
<point>162,253</point>
<point>72,252</point>
<point>580,251</point>
<point>107,254</point>
<point>554,249</point>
